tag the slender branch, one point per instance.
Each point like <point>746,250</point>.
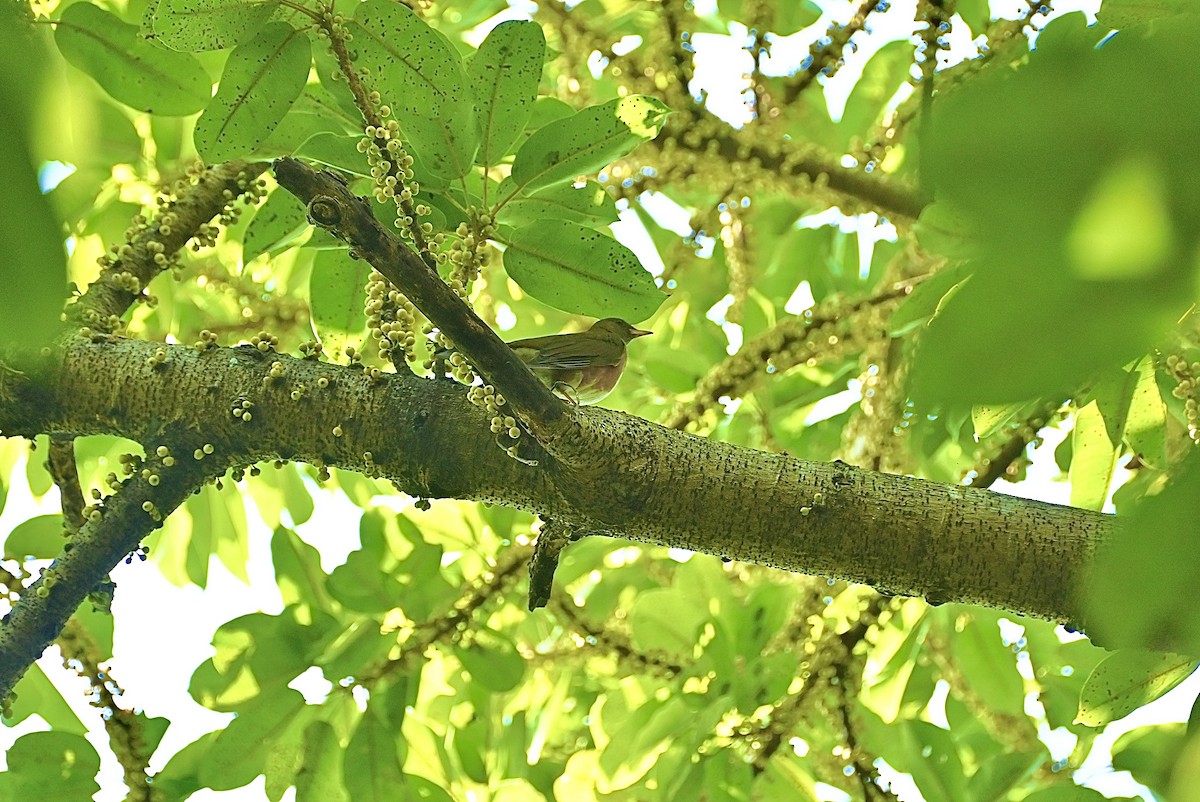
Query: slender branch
<point>449,627</point>
<point>129,515</point>
<point>151,244</point>
<point>66,476</point>
<point>827,333</point>
<point>996,466</point>
<point>332,205</point>
<point>825,54</point>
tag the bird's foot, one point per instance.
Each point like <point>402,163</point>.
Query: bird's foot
<point>566,392</point>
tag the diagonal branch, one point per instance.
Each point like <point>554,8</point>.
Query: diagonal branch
<point>331,205</point>
<point>107,538</point>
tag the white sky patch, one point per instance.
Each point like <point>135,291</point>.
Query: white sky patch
<point>733,332</point>
<point>721,67</point>
<point>597,63</point>
<point>630,232</point>
<point>936,708</point>
<point>666,212</point>
<point>835,404</point>
<point>626,44</point>
<point>517,9</point>
<point>827,793</point>
<point>53,173</point>
<point>312,685</point>
<point>802,299</point>
<point>505,317</point>
<point>899,783</point>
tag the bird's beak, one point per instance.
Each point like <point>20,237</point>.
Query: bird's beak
<point>638,332</point>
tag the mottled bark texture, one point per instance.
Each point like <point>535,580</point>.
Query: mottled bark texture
<point>627,477</point>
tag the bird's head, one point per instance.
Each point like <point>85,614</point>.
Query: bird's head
<point>613,328</point>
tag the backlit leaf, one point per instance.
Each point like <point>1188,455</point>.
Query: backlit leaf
<point>136,72</point>
<point>262,80</point>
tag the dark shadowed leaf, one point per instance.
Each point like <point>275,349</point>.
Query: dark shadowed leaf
<point>586,141</point>
<point>136,72</point>
<point>504,75</point>
<point>580,270</point>
<point>262,80</point>
<point>420,76</point>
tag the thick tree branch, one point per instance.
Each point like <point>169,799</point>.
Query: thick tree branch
<point>945,543</point>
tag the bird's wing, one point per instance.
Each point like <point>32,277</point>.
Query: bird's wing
<point>568,354</point>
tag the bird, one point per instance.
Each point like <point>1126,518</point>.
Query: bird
<point>580,368</point>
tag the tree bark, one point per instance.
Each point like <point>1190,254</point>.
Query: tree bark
<point>639,480</point>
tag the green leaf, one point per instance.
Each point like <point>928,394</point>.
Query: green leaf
<point>218,527</point>
<point>935,764</point>
<point>362,583</point>
<point>1066,793</point>
<point>1146,427</point>
<point>470,745</point>
<point>1143,277</point>
<point>181,776</point>
<point>580,270</point>
<point>99,626</point>
<point>1153,561</point>
<point>1126,13</point>
<point>976,13</point>
<point>586,141</point>
<point>641,738</point>
<point>1124,229</point>
<point>989,666</point>
<point>361,646</point>
<point>298,570</point>
<point>297,498</point>
<point>504,74</point>
<point>789,18</point>
<point>1097,438</point>
<point>1151,755</point>
<point>947,231</point>
<point>990,418</point>
<point>927,300</point>
<point>40,538</point>
<point>546,110</point>
<point>1128,679</point>
<point>666,620</point>
<point>420,76</point>
<point>493,660</point>
<point>260,651</point>
<point>136,72</point>
<point>278,223</point>
<point>320,776</point>
<point>36,694</point>
<point>50,765</point>
<point>589,205</point>
<point>373,744</point>
<point>33,271</point>
<point>337,298</point>
<point>307,119</point>
<point>206,24</point>
<point>335,150</point>
<point>266,737</point>
<point>1004,772</point>
<point>262,79</point>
